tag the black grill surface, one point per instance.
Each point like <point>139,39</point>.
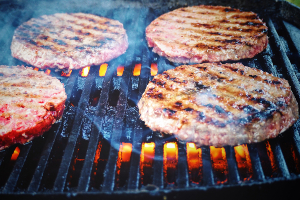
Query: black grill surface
<point>79,156</point>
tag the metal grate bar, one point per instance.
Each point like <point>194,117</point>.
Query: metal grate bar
<point>207,167</point>
<point>256,164</point>
<point>110,169</point>
<point>83,183</point>
<point>38,174</point>
<point>280,161</point>
<point>286,61</point>
<point>158,163</point>
<point>296,136</point>
<point>66,159</point>
<point>133,180</point>
<point>234,176</point>
<point>294,34</point>
<point>268,63</point>
<point>183,176</point>
<point>13,178</point>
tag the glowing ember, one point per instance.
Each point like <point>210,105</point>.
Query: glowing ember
<point>194,160</point>
<point>243,161</point>
<point>137,69</point>
<point>271,156</point>
<point>147,154</point>
<point>146,162</point>
<point>97,156</point>
<point>48,71</point>
<point>153,69</point>
<point>15,154</point>
<point>123,163</point>
<point>66,74</point>
<point>102,70</point>
<point>125,152</point>
<point>120,70</point>
<point>219,164</point>
<point>170,161</point>
<point>36,69</point>
<point>85,71</point>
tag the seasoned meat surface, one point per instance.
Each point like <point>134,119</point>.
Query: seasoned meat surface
<point>207,34</point>
<point>69,41</point>
<point>218,104</point>
<point>30,102</point>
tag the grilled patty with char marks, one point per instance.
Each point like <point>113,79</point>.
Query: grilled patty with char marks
<point>207,34</point>
<point>30,102</point>
<point>69,41</point>
<point>218,104</point>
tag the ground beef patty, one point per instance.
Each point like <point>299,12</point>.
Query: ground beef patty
<point>207,34</point>
<point>30,102</point>
<point>69,41</point>
<point>218,104</point>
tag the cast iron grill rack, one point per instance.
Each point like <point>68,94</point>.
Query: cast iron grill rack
<point>96,149</point>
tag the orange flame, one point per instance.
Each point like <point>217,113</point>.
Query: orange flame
<point>137,69</point>
<point>219,163</point>
<point>15,154</point>
<point>120,70</point>
<point>102,70</point>
<point>170,158</point>
<point>66,74</point>
<point>36,69</point>
<point>243,161</point>
<point>85,71</point>
<point>194,160</point>
<point>48,71</point>
<point>154,69</point>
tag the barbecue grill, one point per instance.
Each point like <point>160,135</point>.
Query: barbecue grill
<point>100,149</point>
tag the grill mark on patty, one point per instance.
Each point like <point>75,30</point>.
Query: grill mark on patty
<point>88,27</point>
<point>253,115</point>
<point>169,76</point>
<point>61,43</point>
<point>239,14</point>
<point>104,22</point>
<point>256,77</point>
<point>209,110</point>
<point>231,90</point>
<point>234,38</point>
<point>106,25</point>
<point>248,26</point>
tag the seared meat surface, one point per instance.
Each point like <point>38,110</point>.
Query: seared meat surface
<point>69,41</point>
<point>30,102</point>
<point>207,34</point>
<point>218,104</point>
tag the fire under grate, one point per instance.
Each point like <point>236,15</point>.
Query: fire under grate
<point>100,147</point>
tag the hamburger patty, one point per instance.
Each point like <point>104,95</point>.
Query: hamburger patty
<point>69,41</point>
<point>30,102</point>
<point>218,104</point>
<point>207,34</point>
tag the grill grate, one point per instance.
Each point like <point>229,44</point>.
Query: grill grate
<point>80,155</point>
